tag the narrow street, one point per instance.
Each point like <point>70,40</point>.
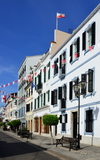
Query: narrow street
<point>13,149</point>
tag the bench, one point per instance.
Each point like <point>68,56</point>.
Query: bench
<point>25,134</point>
<point>73,142</point>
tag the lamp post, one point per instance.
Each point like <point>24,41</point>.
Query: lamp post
<point>79,89</point>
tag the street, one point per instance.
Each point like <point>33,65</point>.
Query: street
<point>14,149</point>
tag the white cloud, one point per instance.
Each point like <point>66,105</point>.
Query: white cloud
<point>9,69</point>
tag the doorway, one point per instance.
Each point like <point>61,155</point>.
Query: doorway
<point>74,124</point>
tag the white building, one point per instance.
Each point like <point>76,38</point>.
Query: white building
<point>24,72</point>
<point>42,78</point>
<point>41,94</point>
<point>78,58</point>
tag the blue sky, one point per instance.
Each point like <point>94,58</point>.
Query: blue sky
<point>27,27</point>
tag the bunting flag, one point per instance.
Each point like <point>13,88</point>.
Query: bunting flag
<point>3,98</point>
<point>43,70</point>
<point>76,55</point>
<point>35,73</point>
<point>53,66</point>
<point>63,61</point>
<point>29,78</point>
<point>90,48</point>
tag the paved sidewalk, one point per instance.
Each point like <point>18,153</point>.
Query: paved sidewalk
<point>86,152</point>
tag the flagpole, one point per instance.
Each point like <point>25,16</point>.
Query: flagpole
<point>56,22</point>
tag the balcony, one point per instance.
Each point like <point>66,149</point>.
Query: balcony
<point>39,88</point>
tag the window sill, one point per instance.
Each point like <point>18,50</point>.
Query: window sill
<point>89,94</point>
<point>74,99</point>
<point>62,76</point>
<point>55,105</point>
<point>88,133</point>
<point>55,75</point>
<point>74,60</point>
<point>92,47</point>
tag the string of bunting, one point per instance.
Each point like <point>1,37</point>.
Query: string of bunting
<point>29,78</point>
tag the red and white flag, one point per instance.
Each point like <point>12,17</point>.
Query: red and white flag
<point>60,15</point>
<point>64,61</point>
<point>3,98</point>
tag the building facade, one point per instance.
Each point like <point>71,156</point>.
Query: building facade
<point>23,73</point>
<point>78,60</point>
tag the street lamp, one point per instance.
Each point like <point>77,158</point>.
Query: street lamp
<point>79,89</point>
<point>16,114</point>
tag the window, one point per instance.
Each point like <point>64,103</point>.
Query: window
<point>62,64</point>
<point>89,78</point>
<point>27,107</point>
<point>56,66</point>
<point>85,88</point>
<point>88,37</point>
<point>89,120</point>
<point>62,95</point>
<point>63,121</point>
<point>75,50</point>
<point>72,93</point>
<point>54,97</point>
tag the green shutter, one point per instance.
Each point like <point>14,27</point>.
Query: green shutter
<point>35,83</point>
<point>35,104</point>
<point>48,95</point>
<point>44,99</point>
<point>49,73</point>
<point>44,74</point>
<point>38,101</point>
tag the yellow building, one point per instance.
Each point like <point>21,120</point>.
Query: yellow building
<point>29,106</point>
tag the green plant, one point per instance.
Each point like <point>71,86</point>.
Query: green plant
<point>1,123</point>
<point>9,123</point>
<point>24,128</point>
<point>50,120</point>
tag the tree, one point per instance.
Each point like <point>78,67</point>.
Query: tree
<point>15,123</point>
<point>50,120</point>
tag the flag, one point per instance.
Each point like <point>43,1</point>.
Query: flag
<point>60,15</point>
<point>90,48</point>
<point>3,98</point>
<point>29,78</point>
<point>76,55</point>
<point>35,73</point>
<point>44,70</point>
<point>63,61</point>
<point>53,66</point>
<point>32,85</point>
